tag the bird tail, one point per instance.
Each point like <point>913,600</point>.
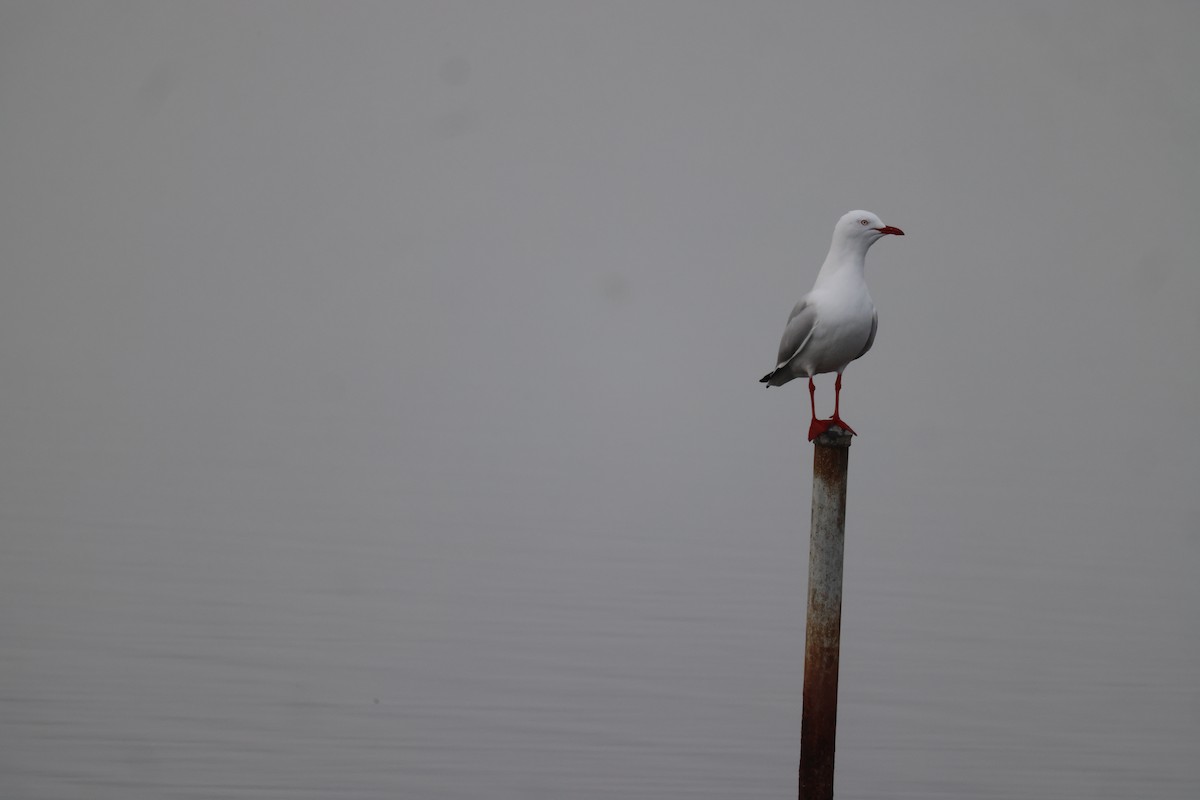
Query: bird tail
<point>767,378</point>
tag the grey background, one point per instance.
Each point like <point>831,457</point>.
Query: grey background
<point>379,412</point>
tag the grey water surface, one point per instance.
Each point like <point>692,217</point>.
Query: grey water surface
<point>379,413</point>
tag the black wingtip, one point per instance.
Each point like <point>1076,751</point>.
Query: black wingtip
<point>766,379</point>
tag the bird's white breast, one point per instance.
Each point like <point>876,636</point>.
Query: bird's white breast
<point>845,314</point>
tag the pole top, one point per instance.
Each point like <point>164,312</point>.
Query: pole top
<point>834,437</point>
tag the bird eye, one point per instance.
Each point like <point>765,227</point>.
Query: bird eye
<point>864,222</point>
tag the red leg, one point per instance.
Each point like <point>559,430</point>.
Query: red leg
<point>837,399</point>
<point>817,426</point>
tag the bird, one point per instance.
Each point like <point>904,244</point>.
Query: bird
<point>835,323</point>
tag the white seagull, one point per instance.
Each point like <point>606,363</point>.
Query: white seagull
<point>834,323</point>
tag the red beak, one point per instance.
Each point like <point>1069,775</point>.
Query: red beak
<point>890,229</point>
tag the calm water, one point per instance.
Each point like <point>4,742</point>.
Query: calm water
<point>557,655</point>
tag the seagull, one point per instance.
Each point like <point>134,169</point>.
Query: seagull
<point>834,323</point>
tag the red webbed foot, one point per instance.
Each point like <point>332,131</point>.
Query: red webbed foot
<point>838,422</point>
<point>820,426</point>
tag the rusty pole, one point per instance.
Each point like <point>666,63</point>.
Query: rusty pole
<point>822,641</point>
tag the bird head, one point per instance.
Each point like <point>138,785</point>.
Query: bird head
<point>864,228</point>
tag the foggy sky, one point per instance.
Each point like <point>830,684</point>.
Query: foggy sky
<point>353,254</point>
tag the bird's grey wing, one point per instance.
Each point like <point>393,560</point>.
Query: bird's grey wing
<point>871,338</point>
<point>798,331</point>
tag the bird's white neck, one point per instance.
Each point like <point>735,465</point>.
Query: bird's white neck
<point>845,260</point>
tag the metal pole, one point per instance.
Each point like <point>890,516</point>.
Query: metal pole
<point>822,641</point>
